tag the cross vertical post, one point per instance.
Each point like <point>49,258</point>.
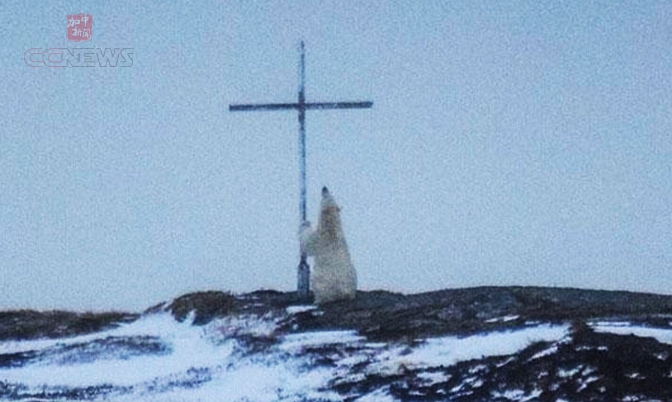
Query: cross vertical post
<point>303,276</point>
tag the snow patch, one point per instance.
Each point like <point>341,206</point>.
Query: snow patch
<point>189,349</point>
<point>379,395</point>
<point>661,334</point>
<point>298,342</point>
<point>587,382</point>
<point>508,318</point>
<point>547,352</point>
<point>198,363</point>
<point>431,378</point>
<point>451,350</point>
<point>253,325</point>
<point>299,309</point>
<point>517,395</point>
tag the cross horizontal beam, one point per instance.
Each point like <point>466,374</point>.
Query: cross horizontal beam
<point>304,106</point>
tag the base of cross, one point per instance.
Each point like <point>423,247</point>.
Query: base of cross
<point>303,286</point>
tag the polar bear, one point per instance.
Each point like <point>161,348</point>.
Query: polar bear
<point>333,277</point>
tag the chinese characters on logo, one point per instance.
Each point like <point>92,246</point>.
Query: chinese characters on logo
<point>79,27</point>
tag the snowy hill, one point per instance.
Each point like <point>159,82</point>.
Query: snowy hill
<point>480,344</point>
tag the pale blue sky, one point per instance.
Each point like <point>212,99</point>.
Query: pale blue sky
<point>510,142</point>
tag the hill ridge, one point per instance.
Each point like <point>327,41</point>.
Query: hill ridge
<point>379,314</point>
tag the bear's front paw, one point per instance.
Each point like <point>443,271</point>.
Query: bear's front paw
<point>305,226</point>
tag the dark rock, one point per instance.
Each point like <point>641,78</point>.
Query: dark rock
<point>205,306</point>
<point>30,324</point>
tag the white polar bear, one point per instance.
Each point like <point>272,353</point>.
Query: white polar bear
<point>333,277</point>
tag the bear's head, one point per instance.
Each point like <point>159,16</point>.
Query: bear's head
<point>329,226</point>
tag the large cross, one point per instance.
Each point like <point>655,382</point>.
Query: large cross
<point>303,275</point>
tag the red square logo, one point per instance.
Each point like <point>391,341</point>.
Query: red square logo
<point>80,27</point>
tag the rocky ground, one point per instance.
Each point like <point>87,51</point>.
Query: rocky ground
<point>29,324</point>
<point>477,344</point>
<point>392,316</point>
